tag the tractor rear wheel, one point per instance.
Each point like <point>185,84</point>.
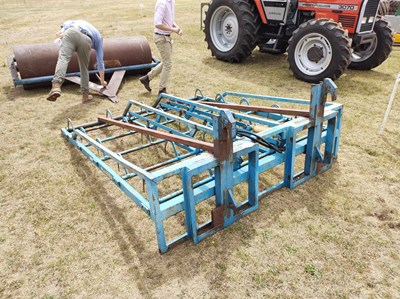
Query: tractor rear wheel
<point>231,28</point>
<point>370,55</point>
<point>319,49</point>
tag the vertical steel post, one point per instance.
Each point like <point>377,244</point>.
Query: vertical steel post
<point>330,142</point>
<point>318,99</point>
<point>338,129</point>
<point>189,205</point>
<point>252,179</point>
<point>290,158</point>
<point>155,214</point>
<point>224,131</point>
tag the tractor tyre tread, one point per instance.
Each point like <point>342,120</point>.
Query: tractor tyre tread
<point>248,19</point>
<point>383,49</point>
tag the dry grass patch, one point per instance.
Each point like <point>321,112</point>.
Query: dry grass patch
<point>66,231</point>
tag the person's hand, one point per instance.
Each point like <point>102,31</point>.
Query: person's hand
<point>60,33</point>
<point>179,31</point>
<point>102,81</point>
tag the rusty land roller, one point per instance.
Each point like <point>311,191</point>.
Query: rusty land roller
<point>33,65</point>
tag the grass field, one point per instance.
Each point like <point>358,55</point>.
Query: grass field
<point>66,231</point>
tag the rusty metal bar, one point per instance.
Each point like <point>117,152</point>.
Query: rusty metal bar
<point>114,83</point>
<point>209,147</point>
<point>110,91</point>
<point>295,112</point>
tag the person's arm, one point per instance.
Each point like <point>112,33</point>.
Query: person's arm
<point>180,31</point>
<point>98,42</point>
<point>175,28</point>
<point>101,77</point>
<point>64,26</point>
<point>60,33</point>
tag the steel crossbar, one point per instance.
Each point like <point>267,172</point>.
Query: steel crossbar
<point>219,158</point>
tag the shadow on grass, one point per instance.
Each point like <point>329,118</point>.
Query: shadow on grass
<point>273,71</point>
<point>212,255</point>
<point>78,111</point>
<point>13,93</point>
<point>181,263</point>
<point>260,68</point>
<point>127,237</point>
<point>309,195</point>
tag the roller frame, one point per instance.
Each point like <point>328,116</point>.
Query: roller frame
<point>18,81</point>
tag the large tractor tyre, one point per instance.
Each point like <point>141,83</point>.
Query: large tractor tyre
<point>370,55</point>
<point>231,28</point>
<point>319,49</point>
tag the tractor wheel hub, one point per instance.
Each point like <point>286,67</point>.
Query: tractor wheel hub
<point>315,54</point>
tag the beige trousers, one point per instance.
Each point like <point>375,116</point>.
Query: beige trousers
<point>164,45</point>
<point>74,41</point>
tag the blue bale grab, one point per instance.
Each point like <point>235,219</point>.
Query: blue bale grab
<point>214,151</point>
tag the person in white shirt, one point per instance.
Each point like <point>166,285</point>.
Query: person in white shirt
<point>164,26</point>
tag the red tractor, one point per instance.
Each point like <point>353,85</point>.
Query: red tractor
<point>322,37</point>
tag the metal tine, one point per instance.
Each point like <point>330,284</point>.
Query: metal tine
<point>108,114</point>
<point>178,119</point>
<point>125,169</point>
<point>98,152</point>
<point>70,125</point>
<point>198,91</point>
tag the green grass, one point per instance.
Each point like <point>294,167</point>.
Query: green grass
<point>310,269</point>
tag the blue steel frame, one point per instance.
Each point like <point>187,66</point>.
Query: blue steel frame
<point>234,158</point>
<point>19,81</point>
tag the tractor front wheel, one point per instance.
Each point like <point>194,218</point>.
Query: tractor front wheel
<point>369,55</point>
<point>319,49</point>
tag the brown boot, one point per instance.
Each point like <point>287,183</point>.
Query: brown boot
<point>86,97</point>
<point>145,80</point>
<point>55,92</point>
<point>163,90</point>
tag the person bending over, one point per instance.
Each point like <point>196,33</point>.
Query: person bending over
<point>77,36</point>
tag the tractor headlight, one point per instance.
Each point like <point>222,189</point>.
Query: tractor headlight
<point>364,20</point>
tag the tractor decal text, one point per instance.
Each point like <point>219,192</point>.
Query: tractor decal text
<point>349,7</point>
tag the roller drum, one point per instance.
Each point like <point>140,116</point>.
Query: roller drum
<point>39,60</point>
